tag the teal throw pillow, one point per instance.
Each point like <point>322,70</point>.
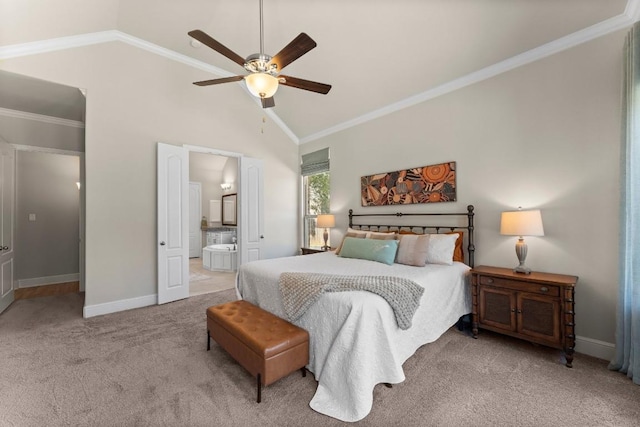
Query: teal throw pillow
<point>370,249</point>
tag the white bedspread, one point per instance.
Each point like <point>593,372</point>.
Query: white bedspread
<point>355,342</point>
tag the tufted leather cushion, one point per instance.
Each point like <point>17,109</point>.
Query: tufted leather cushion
<point>260,341</point>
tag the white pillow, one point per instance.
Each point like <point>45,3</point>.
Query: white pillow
<point>441,248</point>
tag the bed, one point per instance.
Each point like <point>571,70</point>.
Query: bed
<point>355,340</point>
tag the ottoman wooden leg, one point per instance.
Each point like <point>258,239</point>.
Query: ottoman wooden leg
<point>208,340</point>
<point>259,385</point>
<point>304,371</point>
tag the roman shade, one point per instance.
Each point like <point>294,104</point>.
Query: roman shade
<point>316,162</point>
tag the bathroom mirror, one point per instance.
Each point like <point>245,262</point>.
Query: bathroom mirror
<point>229,209</point>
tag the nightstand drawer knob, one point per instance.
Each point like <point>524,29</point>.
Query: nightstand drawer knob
<point>544,289</point>
<point>513,310</point>
<point>489,280</point>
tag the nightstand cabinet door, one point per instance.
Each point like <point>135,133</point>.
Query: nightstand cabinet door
<point>539,317</point>
<point>497,308</point>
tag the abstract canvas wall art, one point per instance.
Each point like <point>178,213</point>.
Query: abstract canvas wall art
<point>426,184</point>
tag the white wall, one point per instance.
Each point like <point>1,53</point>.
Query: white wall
<point>545,136</point>
<point>134,100</point>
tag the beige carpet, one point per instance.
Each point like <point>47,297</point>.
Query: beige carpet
<point>150,367</point>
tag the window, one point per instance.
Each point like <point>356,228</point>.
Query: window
<point>316,195</point>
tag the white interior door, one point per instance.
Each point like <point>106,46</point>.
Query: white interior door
<point>251,210</point>
<point>195,215</point>
<point>173,224</point>
<point>7,199</point>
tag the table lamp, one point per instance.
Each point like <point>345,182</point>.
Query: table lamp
<point>521,223</point>
<point>325,221</point>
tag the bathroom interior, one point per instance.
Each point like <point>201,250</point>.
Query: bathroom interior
<point>213,243</point>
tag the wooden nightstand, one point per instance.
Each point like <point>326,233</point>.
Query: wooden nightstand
<point>308,251</point>
<point>537,307</point>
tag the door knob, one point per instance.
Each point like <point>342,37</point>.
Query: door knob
<point>261,236</point>
<point>162,243</point>
<point>5,248</point>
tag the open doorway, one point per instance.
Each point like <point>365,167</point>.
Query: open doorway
<point>40,121</point>
<point>48,221</point>
<point>213,233</point>
<point>173,215</point>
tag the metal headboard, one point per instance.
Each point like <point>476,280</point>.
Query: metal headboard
<point>383,227</point>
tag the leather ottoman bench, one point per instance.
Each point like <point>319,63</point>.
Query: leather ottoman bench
<point>264,344</point>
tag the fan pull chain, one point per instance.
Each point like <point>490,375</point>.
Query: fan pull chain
<point>264,120</point>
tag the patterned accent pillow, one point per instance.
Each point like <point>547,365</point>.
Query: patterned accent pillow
<point>383,251</point>
<point>351,233</point>
<point>458,251</point>
<point>413,249</point>
<point>382,236</point>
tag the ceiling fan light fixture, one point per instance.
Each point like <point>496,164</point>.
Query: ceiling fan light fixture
<point>261,85</point>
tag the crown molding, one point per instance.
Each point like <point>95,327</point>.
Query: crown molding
<point>88,39</point>
<point>70,42</point>
<point>169,54</point>
<point>630,15</point>
<point>632,10</point>
<point>52,45</point>
<point>40,118</point>
<point>36,149</point>
<point>574,39</point>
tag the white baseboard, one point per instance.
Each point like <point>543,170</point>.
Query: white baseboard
<point>48,280</point>
<point>120,305</point>
<point>595,348</point>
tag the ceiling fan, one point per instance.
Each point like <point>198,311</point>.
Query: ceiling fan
<point>264,70</point>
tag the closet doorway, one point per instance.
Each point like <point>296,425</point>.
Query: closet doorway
<point>49,251</point>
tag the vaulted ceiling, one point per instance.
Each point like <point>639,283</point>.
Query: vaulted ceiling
<point>379,55</point>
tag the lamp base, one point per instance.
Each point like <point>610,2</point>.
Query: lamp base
<point>522,270</point>
<point>521,252</point>
<point>325,235</point>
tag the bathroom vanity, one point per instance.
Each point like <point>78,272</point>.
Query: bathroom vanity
<point>217,236</point>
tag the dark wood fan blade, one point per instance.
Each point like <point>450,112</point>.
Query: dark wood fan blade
<point>218,81</point>
<point>206,39</point>
<point>268,102</point>
<point>305,84</point>
<point>294,50</point>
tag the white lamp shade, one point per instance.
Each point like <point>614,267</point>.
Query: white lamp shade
<point>521,223</point>
<point>325,221</point>
<point>261,85</point>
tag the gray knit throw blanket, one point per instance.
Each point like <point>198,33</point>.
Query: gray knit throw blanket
<point>301,290</point>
